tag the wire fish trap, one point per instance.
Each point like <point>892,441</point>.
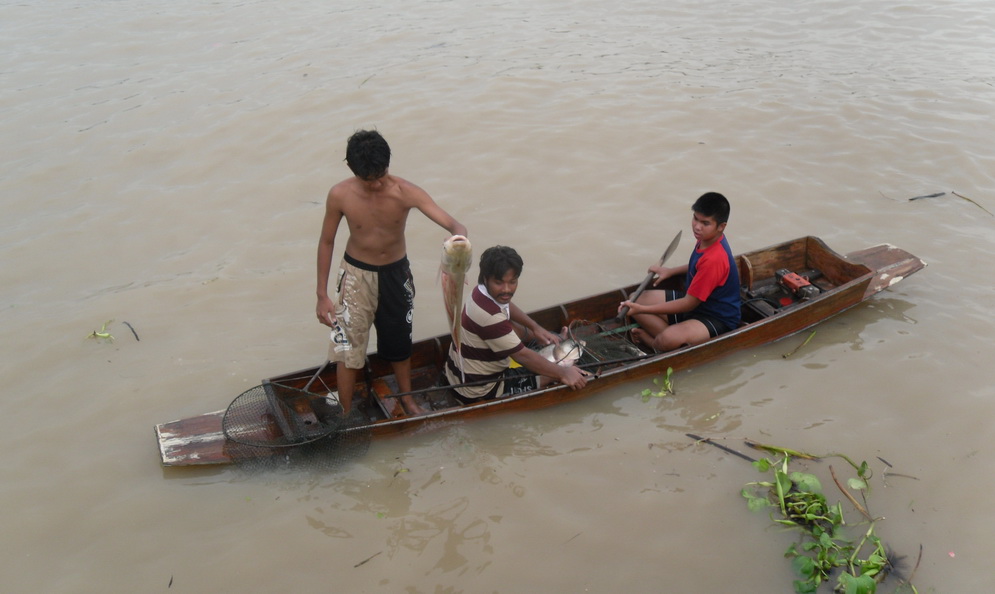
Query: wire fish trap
<point>274,415</point>
<point>603,344</point>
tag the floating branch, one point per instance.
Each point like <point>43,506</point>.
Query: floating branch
<point>366,560</point>
<point>720,446</point>
<point>786,355</point>
<point>132,330</point>
<point>972,202</point>
<point>846,493</point>
<point>913,573</point>
<point>886,474</point>
<point>936,195</point>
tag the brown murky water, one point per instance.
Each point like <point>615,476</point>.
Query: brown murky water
<point>164,165</point>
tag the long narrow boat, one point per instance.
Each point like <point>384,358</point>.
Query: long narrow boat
<point>775,305</point>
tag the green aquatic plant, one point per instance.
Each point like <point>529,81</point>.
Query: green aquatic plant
<point>796,501</point>
<point>795,350</point>
<point>664,386</point>
<point>103,334</point>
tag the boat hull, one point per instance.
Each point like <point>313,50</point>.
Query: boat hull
<point>843,281</point>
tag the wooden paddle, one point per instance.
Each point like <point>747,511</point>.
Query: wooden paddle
<point>649,277</point>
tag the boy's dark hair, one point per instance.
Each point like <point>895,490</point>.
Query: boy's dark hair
<point>496,261</point>
<point>712,204</point>
<point>368,155</point>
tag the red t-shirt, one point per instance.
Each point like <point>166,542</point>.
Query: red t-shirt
<point>712,270</point>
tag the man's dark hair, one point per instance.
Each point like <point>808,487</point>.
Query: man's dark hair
<point>712,204</point>
<point>368,155</point>
<point>496,261</point>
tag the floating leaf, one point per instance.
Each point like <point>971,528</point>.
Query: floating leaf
<point>753,502</point>
<point>857,585</point>
<point>806,482</point>
<point>804,566</point>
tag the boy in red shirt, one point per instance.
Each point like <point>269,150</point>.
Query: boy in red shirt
<point>711,305</point>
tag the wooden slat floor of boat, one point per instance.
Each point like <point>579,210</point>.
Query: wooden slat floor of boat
<point>385,390</point>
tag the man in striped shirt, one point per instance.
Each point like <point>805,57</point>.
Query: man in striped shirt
<point>493,329</point>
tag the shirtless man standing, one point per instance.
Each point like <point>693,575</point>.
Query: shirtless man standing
<point>374,284</point>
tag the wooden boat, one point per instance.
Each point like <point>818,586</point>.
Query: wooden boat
<point>770,312</point>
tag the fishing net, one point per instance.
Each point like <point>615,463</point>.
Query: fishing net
<point>328,454</point>
<point>273,415</point>
<point>604,343</point>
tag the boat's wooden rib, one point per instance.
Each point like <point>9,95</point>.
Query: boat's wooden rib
<point>843,282</point>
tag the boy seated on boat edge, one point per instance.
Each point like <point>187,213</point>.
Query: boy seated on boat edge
<point>711,303</point>
<point>493,329</point>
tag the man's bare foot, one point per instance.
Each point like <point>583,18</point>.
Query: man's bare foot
<point>411,406</point>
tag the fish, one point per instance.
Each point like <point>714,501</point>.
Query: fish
<point>564,353</point>
<point>457,255</point>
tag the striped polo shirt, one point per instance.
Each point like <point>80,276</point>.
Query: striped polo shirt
<point>489,341</point>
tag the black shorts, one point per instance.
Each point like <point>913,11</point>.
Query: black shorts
<point>395,307</point>
<point>715,327</point>
<point>516,381</point>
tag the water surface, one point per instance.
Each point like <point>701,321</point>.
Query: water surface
<point>165,165</point>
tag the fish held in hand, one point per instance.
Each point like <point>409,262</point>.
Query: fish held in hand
<point>457,255</point>
<point>564,353</point>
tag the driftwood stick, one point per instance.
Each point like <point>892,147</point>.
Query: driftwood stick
<point>936,195</point>
<point>367,559</point>
<point>720,446</point>
<point>132,331</point>
<point>913,572</point>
